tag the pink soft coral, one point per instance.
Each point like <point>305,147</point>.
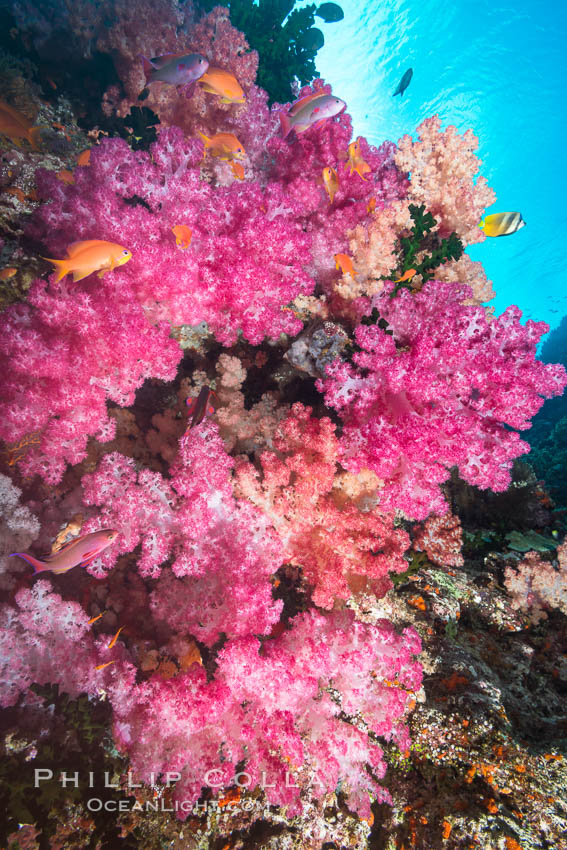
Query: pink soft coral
<point>247,252</point>
<point>46,639</point>
<point>331,542</point>
<point>64,352</point>
<point>442,389</point>
<point>193,520</point>
<point>298,712</point>
<point>442,539</point>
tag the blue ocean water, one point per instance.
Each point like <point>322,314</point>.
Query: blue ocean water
<point>499,68</point>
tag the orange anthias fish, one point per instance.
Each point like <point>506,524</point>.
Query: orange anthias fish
<point>222,83</point>
<point>6,274</point>
<point>237,170</point>
<point>106,664</point>
<point>356,160</point>
<point>84,157</point>
<point>66,176</point>
<point>344,264</point>
<point>331,182</point>
<point>182,235</point>
<point>371,205</point>
<point>94,619</point>
<point>94,255</point>
<point>16,126</point>
<point>200,406</point>
<point>80,552</point>
<point>115,638</point>
<point>406,275</point>
<point>224,145</point>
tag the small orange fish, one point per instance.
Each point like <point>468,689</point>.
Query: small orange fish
<point>371,205</point>
<point>94,619</point>
<point>356,161</point>
<point>84,157</point>
<point>182,235</point>
<point>6,274</point>
<point>66,176</point>
<point>224,145</point>
<point>16,192</point>
<point>93,255</point>
<point>237,170</point>
<point>115,638</point>
<point>331,182</point>
<point>16,126</point>
<point>107,664</point>
<point>406,275</point>
<point>222,83</point>
<point>344,264</point>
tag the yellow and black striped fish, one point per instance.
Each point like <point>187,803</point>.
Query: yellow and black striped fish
<point>502,224</point>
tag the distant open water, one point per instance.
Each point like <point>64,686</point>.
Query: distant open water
<point>500,69</point>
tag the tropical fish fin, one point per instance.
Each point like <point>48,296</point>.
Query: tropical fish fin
<point>34,138</point>
<point>190,89</point>
<point>285,124</point>
<point>76,247</point>
<point>80,275</point>
<point>64,548</point>
<point>209,89</point>
<point>206,140</point>
<point>148,68</point>
<point>159,62</point>
<point>61,266</point>
<point>38,566</point>
<point>303,101</point>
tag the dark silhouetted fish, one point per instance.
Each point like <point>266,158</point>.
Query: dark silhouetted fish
<point>312,39</point>
<point>330,12</point>
<point>404,82</point>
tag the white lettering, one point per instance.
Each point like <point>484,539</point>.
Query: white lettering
<point>263,783</point>
<point>107,782</point>
<point>172,777</point>
<point>213,777</point>
<point>132,784</point>
<point>64,779</point>
<point>287,784</point>
<point>38,777</point>
<point>91,804</point>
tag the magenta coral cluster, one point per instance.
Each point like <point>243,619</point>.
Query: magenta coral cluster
<point>300,708</point>
<point>440,386</point>
<point>244,540</point>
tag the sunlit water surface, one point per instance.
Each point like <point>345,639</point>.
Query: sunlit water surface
<point>500,69</point>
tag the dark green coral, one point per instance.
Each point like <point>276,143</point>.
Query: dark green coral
<point>286,50</point>
<point>423,239</point>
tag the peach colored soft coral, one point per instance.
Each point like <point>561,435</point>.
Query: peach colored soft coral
<point>332,541</point>
<point>442,538</point>
<point>536,585</point>
<point>442,165</point>
<point>374,250</point>
<point>244,430</point>
<point>470,273</point>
